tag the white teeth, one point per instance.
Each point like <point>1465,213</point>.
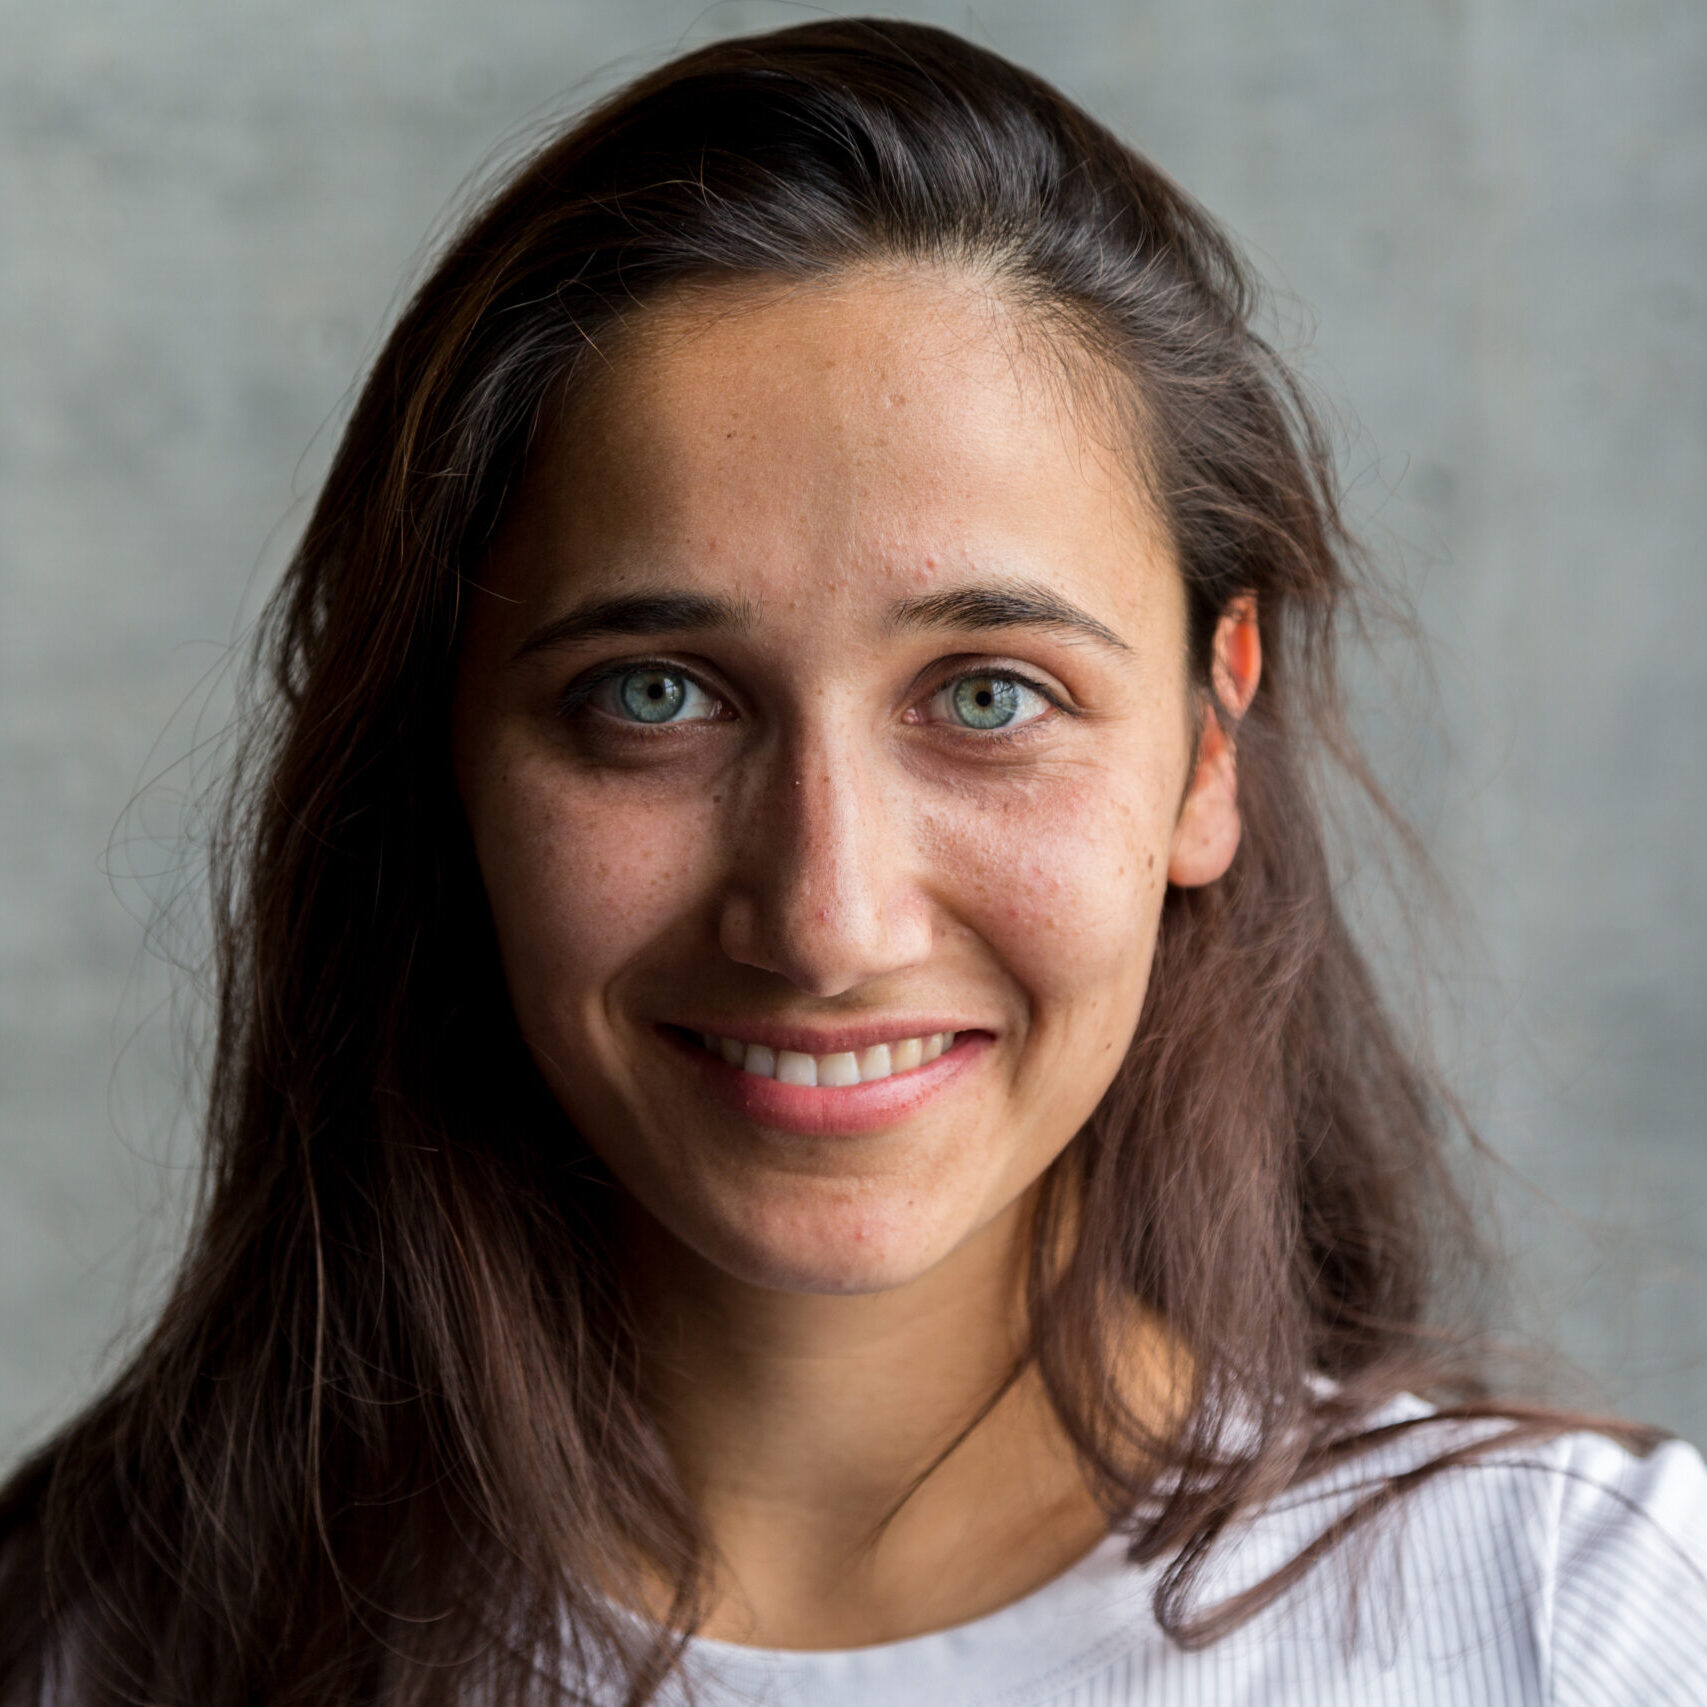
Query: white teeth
<point>793,1069</point>
<point>842,1067</point>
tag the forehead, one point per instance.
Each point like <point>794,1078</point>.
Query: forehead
<point>870,435</point>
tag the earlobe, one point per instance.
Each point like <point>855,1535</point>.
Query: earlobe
<point>1206,834</point>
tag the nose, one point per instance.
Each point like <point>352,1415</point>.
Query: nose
<point>824,888</point>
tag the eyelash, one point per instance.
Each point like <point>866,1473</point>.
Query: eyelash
<point>1003,736</point>
<point>575,698</point>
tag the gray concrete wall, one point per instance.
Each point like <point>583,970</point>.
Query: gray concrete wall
<point>1493,212</point>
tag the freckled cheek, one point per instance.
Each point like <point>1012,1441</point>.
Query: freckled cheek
<point>1068,889</point>
<point>583,876</point>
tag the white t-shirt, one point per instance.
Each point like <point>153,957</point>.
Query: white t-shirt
<point>1570,1574</point>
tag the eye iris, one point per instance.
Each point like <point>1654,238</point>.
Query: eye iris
<point>986,702</point>
<point>652,696</point>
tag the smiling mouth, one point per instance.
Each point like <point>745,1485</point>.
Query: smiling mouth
<point>839,1068</point>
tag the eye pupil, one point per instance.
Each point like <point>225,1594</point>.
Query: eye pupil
<point>986,702</point>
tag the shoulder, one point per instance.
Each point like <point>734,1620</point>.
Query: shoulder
<point>1627,1576</point>
<point>1582,1564</point>
<point>1575,1501</point>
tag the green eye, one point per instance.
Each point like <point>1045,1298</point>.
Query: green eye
<point>989,702</point>
<point>652,696</point>
<point>647,694</point>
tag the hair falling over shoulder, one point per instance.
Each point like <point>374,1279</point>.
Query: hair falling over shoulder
<point>387,1441</point>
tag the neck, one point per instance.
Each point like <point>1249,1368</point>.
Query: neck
<point>867,1467</point>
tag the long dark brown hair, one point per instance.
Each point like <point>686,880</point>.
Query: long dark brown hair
<point>387,1442</point>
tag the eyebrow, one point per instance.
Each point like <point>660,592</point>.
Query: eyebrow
<point>639,614</point>
<point>1015,604</point>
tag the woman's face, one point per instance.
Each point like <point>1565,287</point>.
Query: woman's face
<point>826,694</point>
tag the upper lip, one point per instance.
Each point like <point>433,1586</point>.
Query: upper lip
<point>825,1039</point>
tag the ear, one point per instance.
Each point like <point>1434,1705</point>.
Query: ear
<point>1206,834</point>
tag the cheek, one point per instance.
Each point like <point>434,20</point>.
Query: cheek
<point>584,875</point>
<point>1064,879</point>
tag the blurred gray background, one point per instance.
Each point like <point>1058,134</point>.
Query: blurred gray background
<point>1487,224</point>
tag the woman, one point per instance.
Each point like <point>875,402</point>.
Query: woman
<point>794,1117</point>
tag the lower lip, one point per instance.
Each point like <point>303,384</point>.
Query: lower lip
<point>842,1111</point>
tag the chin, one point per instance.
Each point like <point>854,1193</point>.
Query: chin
<point>832,1249</point>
